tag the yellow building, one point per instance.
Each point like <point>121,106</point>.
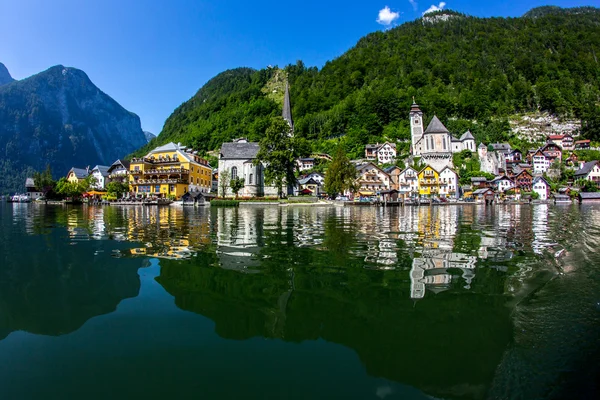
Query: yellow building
<point>77,175</point>
<point>429,182</point>
<point>169,171</point>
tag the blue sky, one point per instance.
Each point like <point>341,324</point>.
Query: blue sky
<point>151,55</point>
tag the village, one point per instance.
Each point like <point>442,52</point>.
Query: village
<point>176,173</point>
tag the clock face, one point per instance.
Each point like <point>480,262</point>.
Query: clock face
<point>416,121</point>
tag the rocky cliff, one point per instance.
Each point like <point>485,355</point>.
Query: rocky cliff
<point>4,75</point>
<point>60,118</point>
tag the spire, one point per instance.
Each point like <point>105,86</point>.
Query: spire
<point>287,107</point>
<point>414,108</point>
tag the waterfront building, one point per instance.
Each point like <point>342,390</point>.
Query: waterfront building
<point>589,197</point>
<point>169,171</point>
<point>449,183</point>
<point>408,183</point>
<point>502,183</point>
<point>429,182</point>
<point>478,182</point>
<point>100,174</point>
<point>372,179</point>
<point>541,187</point>
<point>590,171</point>
<point>31,191</point>
<point>119,171</point>
<point>76,175</point>
<point>541,163</point>
<point>523,181</point>
<point>394,173</point>
<point>308,186</point>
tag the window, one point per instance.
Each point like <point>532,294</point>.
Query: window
<point>234,173</point>
<point>250,179</point>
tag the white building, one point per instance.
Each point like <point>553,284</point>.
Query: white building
<point>100,174</point>
<point>119,171</point>
<point>383,153</point>
<point>589,171</point>
<point>316,176</point>
<point>541,187</point>
<point>449,183</point>
<point>502,184</point>
<point>237,158</point>
<point>372,179</point>
<point>408,183</point>
<point>31,191</point>
<point>541,163</point>
<point>305,163</point>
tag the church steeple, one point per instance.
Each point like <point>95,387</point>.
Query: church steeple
<point>287,107</point>
<point>416,128</point>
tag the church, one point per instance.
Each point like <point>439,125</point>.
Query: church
<point>435,145</point>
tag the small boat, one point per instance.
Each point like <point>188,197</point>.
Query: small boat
<point>20,198</point>
<point>157,202</point>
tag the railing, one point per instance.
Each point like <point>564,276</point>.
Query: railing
<point>166,171</point>
<point>157,181</point>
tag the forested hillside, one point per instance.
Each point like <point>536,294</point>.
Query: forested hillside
<point>472,72</point>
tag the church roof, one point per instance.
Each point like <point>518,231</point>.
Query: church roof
<point>482,146</point>
<point>239,150</point>
<point>414,107</point>
<point>287,107</point>
<point>467,135</point>
<point>436,126</point>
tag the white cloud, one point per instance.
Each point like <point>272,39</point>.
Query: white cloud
<point>434,8</point>
<point>414,4</point>
<point>387,16</point>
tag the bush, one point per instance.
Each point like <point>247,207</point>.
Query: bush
<point>225,203</point>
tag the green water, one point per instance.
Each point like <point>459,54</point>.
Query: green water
<point>260,302</point>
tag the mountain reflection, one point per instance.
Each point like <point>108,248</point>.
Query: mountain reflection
<point>58,281</point>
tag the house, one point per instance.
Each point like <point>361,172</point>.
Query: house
<point>589,197</point>
<point>384,153</point>
<point>429,182</point>
<point>478,182</point>
<point>502,183</point>
<point>169,171</point>
<point>449,183</point>
<point>100,174</point>
<point>541,187</point>
<point>523,181</point>
<point>309,186</point>
<point>76,175</point>
<point>372,180</point>
<point>565,142</point>
<point>317,176</point>
<point>582,144</point>
<point>119,171</point>
<point>541,163</point>
<point>552,152</point>
<point>571,160</point>
<point>503,148</point>
<point>514,156</point>
<point>31,191</point>
<point>590,171</point>
<point>305,163</point>
<point>408,183</point>
<point>394,173</point>
<point>214,187</point>
<point>484,194</point>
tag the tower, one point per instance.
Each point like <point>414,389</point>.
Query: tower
<point>416,128</point>
<point>287,108</point>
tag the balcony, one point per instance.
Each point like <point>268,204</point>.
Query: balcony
<point>166,171</point>
<point>158,181</point>
<point>428,182</point>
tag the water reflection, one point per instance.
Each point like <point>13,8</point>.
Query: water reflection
<point>414,291</point>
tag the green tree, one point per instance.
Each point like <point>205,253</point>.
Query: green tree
<point>224,178</point>
<point>117,188</point>
<point>43,181</point>
<point>279,150</point>
<point>74,190</point>
<point>340,175</point>
<point>236,185</point>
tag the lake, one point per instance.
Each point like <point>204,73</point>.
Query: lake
<point>267,302</point>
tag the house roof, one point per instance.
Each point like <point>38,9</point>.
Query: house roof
<point>372,146</point>
<point>363,166</point>
<point>478,179</point>
<point>538,179</point>
<point>501,177</point>
<point>501,147</point>
<point>590,195</point>
<point>467,135</point>
<point>124,163</point>
<point>587,167</point>
<point>390,169</point>
<point>449,169</point>
<point>29,182</point>
<point>482,146</point>
<point>239,150</point>
<point>436,126</point>
<point>556,137</point>
<point>307,181</point>
<point>80,173</point>
<point>482,191</point>
<point>306,159</point>
<point>103,169</point>
<point>582,141</point>
<point>453,139</point>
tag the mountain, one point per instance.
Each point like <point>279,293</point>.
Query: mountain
<point>4,75</point>
<point>60,118</point>
<point>473,73</point>
<point>149,136</point>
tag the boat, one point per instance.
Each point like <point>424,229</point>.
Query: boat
<point>157,202</point>
<point>20,198</point>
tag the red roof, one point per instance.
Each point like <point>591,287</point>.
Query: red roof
<point>583,141</point>
<point>556,137</point>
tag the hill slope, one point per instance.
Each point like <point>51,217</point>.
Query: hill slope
<point>59,117</point>
<point>463,69</point>
<point>4,75</point>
